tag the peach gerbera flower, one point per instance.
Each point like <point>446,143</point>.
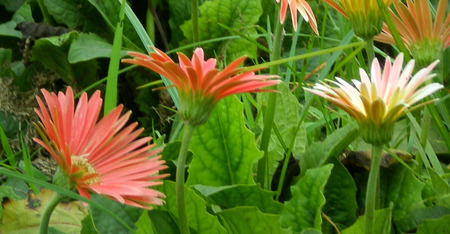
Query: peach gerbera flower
<point>301,6</point>
<point>424,38</point>
<point>376,103</point>
<point>199,83</point>
<point>102,157</point>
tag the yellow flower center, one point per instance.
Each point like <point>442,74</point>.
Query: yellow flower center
<point>83,167</point>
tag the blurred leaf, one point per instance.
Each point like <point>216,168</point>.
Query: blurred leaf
<point>6,192</point>
<point>340,194</point>
<point>88,226</point>
<point>241,195</point>
<point>434,226</point>
<point>382,223</point>
<point>287,116</point>
<point>24,216</point>
<point>250,220</point>
<point>10,124</point>
<point>304,209</point>
<point>404,190</point>
<point>441,188</point>
<point>180,11</point>
<point>89,46</point>
<point>224,150</point>
<point>197,216</point>
<point>21,15</point>
<point>417,216</point>
<point>12,5</point>
<point>103,222</point>
<point>144,224</point>
<point>235,14</point>
<point>318,153</point>
<point>163,222</point>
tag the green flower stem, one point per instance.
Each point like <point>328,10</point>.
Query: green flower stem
<point>370,51</point>
<point>182,218</point>
<point>270,110</point>
<point>371,193</point>
<point>194,16</point>
<point>56,199</point>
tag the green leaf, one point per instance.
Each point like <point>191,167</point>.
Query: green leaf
<point>197,216</point>
<point>382,223</point>
<point>224,149</point>
<point>235,14</point>
<point>89,46</point>
<point>417,216</point>
<point>88,226</point>
<point>434,226</point>
<point>21,15</point>
<point>318,153</point>
<point>104,223</point>
<point>52,53</point>
<point>241,195</point>
<point>441,188</point>
<point>250,220</point>
<point>25,215</point>
<point>304,209</point>
<point>404,190</point>
<point>144,224</point>
<point>287,116</point>
<point>163,222</point>
<point>340,194</point>
<point>180,11</point>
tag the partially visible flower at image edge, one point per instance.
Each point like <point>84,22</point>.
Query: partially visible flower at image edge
<point>301,6</point>
<point>376,103</point>
<point>103,157</point>
<point>424,38</point>
<point>199,83</point>
<point>364,15</point>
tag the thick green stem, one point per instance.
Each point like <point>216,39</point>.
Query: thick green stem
<point>182,218</point>
<point>371,193</point>
<point>270,110</point>
<point>56,199</point>
<point>370,52</point>
<point>194,16</point>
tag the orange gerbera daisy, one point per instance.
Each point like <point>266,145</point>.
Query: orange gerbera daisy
<point>305,10</point>
<point>424,38</point>
<point>199,83</point>
<point>102,157</point>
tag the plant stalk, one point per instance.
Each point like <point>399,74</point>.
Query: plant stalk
<point>270,110</point>
<point>371,193</point>
<point>370,52</point>
<point>194,16</point>
<point>56,199</point>
<point>181,164</point>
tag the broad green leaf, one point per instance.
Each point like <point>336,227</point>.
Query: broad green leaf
<point>239,15</point>
<point>163,222</point>
<point>88,226</point>
<point>89,46</point>
<point>24,216</point>
<point>304,209</point>
<point>404,190</point>
<point>21,15</point>
<point>144,224</point>
<point>224,150</point>
<point>382,223</point>
<point>287,116</point>
<point>340,194</point>
<point>441,188</point>
<point>434,226</point>
<point>180,11</point>
<point>241,195</point>
<point>103,222</point>
<point>250,220</point>
<point>417,216</point>
<point>8,192</point>
<point>318,153</point>
<point>197,216</point>
<point>52,53</point>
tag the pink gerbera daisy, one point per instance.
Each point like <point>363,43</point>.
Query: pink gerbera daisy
<point>103,157</point>
<point>301,6</point>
